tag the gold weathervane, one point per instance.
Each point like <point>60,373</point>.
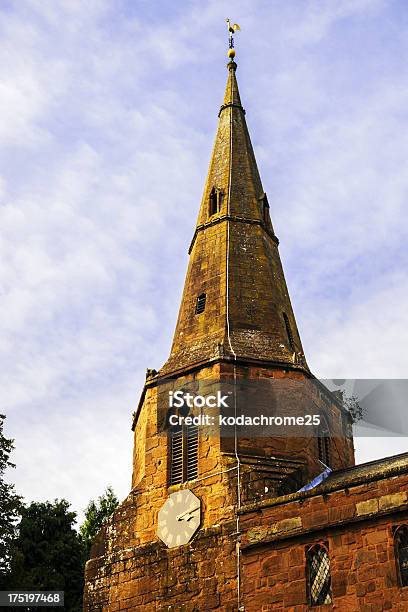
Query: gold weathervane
<point>231,31</point>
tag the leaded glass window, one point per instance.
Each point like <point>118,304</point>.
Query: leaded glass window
<point>318,575</point>
<point>401,553</point>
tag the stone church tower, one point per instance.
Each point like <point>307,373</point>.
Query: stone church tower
<point>217,520</point>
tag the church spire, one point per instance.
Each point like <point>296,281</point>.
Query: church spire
<point>231,91</point>
<point>235,301</point>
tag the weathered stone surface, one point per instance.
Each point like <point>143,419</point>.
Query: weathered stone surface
<point>370,506</point>
<point>392,501</point>
<point>284,526</point>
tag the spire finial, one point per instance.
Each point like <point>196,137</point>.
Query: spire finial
<point>231,31</point>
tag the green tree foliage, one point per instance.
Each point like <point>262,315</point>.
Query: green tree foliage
<point>39,546</point>
<point>10,505</point>
<point>47,554</point>
<point>96,514</point>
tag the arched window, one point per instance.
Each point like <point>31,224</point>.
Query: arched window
<point>318,575</point>
<point>401,554</point>
<point>183,454</point>
<point>323,443</point>
<point>200,303</point>
<point>289,332</point>
<point>213,202</point>
<point>216,197</point>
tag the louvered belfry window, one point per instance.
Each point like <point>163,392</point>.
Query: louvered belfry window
<point>318,575</point>
<point>401,554</point>
<point>176,456</point>
<point>183,454</point>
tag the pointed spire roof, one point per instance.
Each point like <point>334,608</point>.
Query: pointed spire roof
<point>233,168</point>
<point>231,91</point>
<point>234,268</point>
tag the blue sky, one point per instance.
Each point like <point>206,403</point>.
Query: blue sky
<point>109,111</point>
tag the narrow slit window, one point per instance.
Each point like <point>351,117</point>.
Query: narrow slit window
<point>213,202</point>
<point>265,208</point>
<point>289,332</point>
<point>323,444</point>
<point>401,554</point>
<point>183,454</point>
<point>220,199</point>
<point>265,213</point>
<point>216,198</point>
<point>200,303</point>
<point>318,576</point>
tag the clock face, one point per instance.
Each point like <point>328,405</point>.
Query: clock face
<point>179,518</point>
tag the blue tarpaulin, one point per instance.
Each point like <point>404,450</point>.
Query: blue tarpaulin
<point>316,481</point>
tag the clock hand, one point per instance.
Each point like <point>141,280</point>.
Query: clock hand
<point>191,511</point>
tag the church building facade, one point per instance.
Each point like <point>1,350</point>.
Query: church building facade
<point>224,521</point>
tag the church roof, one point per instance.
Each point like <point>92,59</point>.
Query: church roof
<point>354,476</point>
<point>365,472</point>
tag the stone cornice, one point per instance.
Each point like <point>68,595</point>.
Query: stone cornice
<point>236,219</point>
<point>302,531</point>
<point>155,380</point>
<point>231,105</point>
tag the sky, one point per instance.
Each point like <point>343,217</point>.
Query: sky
<point>109,110</point>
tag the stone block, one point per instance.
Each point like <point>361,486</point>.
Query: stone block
<point>392,501</point>
<point>370,506</point>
